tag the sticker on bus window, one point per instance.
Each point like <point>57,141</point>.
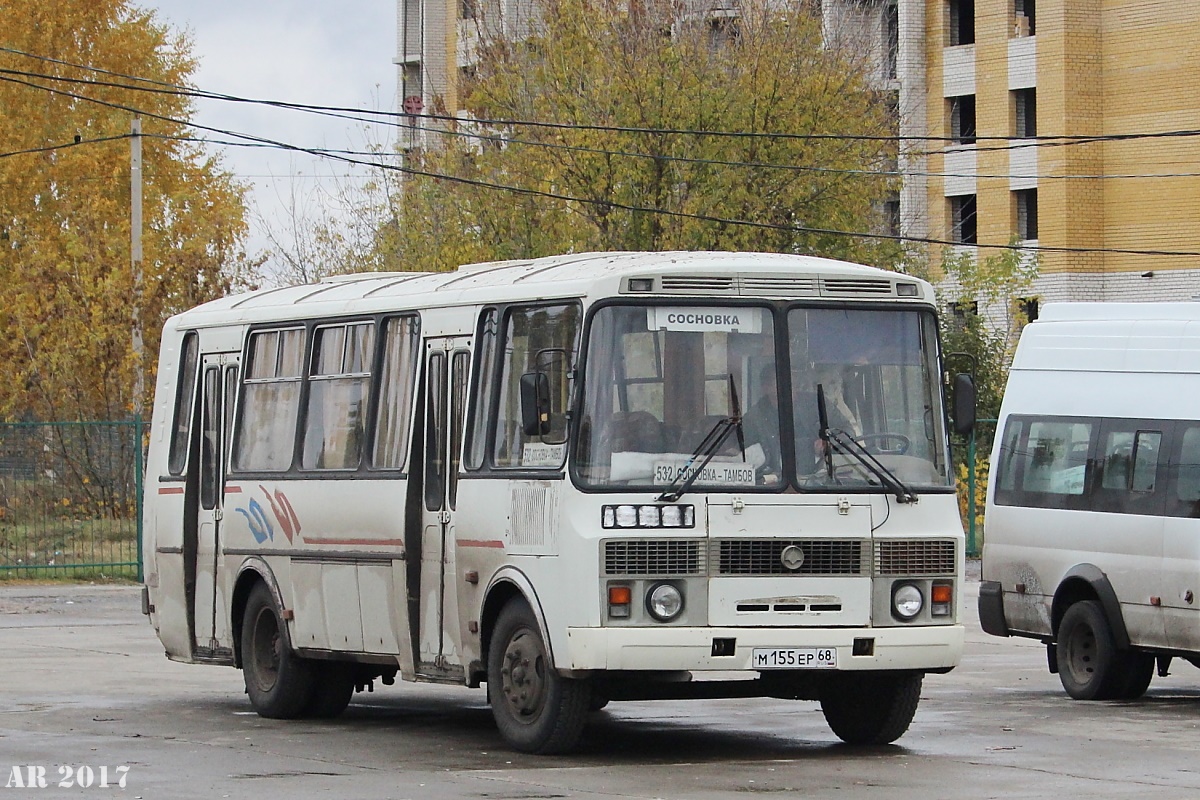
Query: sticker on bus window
<point>739,474</point>
<point>700,318</point>
<point>536,454</point>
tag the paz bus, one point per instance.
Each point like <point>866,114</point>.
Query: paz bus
<point>578,479</point>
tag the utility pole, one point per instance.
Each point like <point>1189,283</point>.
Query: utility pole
<point>135,251</point>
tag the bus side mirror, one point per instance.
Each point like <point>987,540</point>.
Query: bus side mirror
<point>535,404</point>
<point>964,404</point>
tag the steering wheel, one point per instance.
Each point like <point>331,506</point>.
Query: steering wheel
<point>880,439</point>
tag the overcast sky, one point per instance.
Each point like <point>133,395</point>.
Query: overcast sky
<point>302,51</point>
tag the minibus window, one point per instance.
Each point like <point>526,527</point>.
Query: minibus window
<point>1056,457</point>
<point>1145,460</point>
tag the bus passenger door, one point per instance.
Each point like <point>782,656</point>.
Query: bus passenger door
<point>446,371</point>
<point>208,604</point>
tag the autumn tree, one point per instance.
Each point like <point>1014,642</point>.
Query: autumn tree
<point>665,130</point>
<point>73,75</point>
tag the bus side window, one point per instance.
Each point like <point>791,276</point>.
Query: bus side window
<point>482,391</point>
<point>530,334</point>
<point>339,385</point>
<point>271,401</point>
<point>401,348</point>
<point>184,401</point>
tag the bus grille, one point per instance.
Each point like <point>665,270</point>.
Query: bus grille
<point>754,557</point>
<point>914,557</point>
<point>763,556</point>
<point>653,557</point>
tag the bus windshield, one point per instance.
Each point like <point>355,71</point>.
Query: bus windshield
<point>660,378</point>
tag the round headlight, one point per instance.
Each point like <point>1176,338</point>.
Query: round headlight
<point>664,602</point>
<point>907,601</point>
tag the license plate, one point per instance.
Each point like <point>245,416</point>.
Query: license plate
<point>793,658</point>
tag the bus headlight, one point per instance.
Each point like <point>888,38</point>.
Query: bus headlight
<point>907,601</point>
<point>664,601</point>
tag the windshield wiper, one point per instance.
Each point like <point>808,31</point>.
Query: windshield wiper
<point>708,448</point>
<point>846,444</point>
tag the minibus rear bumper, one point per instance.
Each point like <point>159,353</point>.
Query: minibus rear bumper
<point>927,647</point>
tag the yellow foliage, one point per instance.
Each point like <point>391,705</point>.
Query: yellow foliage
<point>981,481</point>
<point>66,284</point>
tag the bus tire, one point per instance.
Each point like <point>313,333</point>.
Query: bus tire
<point>870,707</point>
<point>333,687</point>
<point>1089,664</point>
<point>536,709</point>
<point>279,682</point>
<point>1139,671</point>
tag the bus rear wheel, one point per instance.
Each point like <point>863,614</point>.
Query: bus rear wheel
<point>870,707</point>
<point>279,682</point>
<point>333,687</point>
<point>536,709</point>
<point>1089,665</point>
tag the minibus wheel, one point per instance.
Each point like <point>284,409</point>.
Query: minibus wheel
<point>870,707</point>
<point>1089,664</point>
<point>1139,671</point>
<point>536,709</point>
<point>279,682</point>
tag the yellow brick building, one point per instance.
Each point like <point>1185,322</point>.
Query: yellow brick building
<point>994,73</point>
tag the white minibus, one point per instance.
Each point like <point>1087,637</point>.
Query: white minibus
<point>1092,533</point>
<point>577,479</point>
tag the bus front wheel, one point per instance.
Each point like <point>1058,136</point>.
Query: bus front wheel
<point>536,709</point>
<point>279,682</point>
<point>870,707</point>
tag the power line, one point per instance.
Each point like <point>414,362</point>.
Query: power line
<point>952,142</point>
<point>76,142</point>
<point>263,141</point>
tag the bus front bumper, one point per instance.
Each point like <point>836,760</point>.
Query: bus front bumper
<point>930,647</point>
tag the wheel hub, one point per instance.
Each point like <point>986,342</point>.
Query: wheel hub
<point>523,675</point>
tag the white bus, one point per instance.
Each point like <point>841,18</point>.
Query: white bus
<point>576,479</point>
<point>1093,540</point>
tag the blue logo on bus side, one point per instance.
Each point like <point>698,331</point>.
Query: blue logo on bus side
<point>260,526</point>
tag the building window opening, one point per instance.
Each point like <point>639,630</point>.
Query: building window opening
<point>962,22</point>
<point>1027,224</point>
<point>963,223</point>
<point>1024,17</point>
<point>1027,307</point>
<point>1025,113</point>
<point>891,36</point>
<point>962,118</point>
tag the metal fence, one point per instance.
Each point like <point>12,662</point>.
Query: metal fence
<point>70,499</point>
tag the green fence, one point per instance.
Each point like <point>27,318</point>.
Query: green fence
<point>71,494</point>
<point>972,483</point>
<point>70,499</point>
